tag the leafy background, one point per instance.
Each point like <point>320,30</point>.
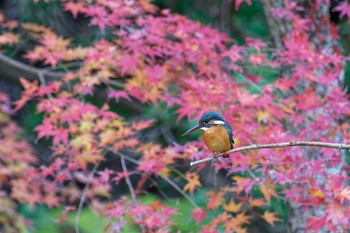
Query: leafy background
<point>247,21</point>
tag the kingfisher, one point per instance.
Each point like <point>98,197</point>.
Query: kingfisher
<point>217,133</point>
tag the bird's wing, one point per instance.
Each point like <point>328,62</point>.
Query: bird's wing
<point>230,132</point>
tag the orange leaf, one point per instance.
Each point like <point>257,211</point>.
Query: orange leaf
<point>215,200</point>
<point>140,184</point>
<point>257,202</point>
<point>222,218</point>
<point>241,219</point>
<point>156,205</point>
<point>193,182</point>
<point>105,230</point>
<point>233,226</point>
<point>267,190</point>
<point>270,217</point>
<point>62,218</point>
<point>266,193</point>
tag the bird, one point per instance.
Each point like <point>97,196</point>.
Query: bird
<point>217,133</point>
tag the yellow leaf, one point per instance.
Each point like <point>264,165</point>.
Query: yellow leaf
<point>240,179</point>
<point>84,140</point>
<point>37,29</point>
<point>241,230</point>
<point>232,206</point>
<point>90,116</point>
<point>165,172</point>
<point>289,108</point>
<point>263,115</point>
<point>317,193</point>
<point>88,156</point>
<point>270,218</point>
<point>4,118</point>
<point>193,182</point>
<point>85,126</point>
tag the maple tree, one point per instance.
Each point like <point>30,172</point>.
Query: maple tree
<point>147,56</point>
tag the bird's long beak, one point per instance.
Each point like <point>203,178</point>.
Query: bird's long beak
<point>197,127</point>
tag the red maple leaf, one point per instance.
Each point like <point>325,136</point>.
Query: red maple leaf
<point>316,224</point>
<point>199,214</point>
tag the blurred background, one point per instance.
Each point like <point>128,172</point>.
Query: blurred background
<point>249,21</point>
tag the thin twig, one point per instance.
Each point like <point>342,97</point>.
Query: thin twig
<point>274,145</point>
<point>175,186</point>
<point>127,178</point>
<point>83,197</point>
<point>256,87</point>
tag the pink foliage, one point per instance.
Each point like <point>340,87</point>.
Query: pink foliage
<point>159,57</point>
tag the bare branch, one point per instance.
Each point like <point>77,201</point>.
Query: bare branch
<point>169,181</point>
<point>83,196</point>
<point>13,69</point>
<point>127,178</point>
<point>274,145</point>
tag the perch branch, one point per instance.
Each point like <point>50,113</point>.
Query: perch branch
<point>274,145</point>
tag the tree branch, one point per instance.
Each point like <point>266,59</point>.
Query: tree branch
<point>83,196</point>
<point>169,181</point>
<point>274,145</point>
<point>13,69</point>
<point>127,178</point>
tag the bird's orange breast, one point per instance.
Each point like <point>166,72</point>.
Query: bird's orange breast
<point>217,139</point>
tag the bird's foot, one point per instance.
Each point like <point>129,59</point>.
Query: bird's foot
<point>217,154</point>
<point>225,155</point>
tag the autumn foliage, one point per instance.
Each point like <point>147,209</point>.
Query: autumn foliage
<point>151,57</point>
